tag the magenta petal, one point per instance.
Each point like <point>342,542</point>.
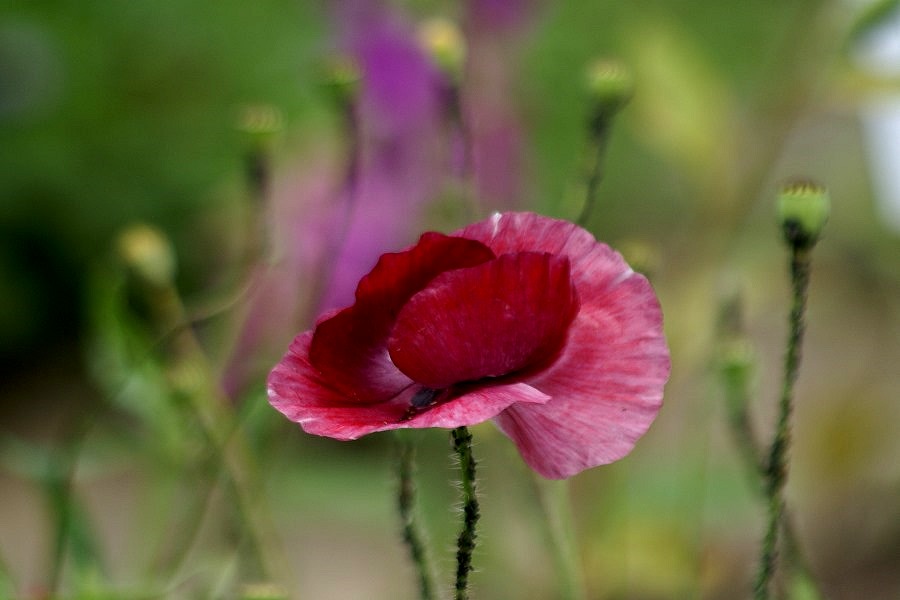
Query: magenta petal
<point>349,349</point>
<point>606,387</point>
<point>298,391</point>
<point>509,315</point>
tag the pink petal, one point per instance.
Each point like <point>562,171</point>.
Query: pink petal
<point>509,315</point>
<point>298,391</point>
<point>350,348</point>
<point>476,406</point>
<point>595,266</point>
<point>606,387</point>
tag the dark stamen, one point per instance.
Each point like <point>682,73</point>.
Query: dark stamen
<point>425,397</point>
<point>421,401</point>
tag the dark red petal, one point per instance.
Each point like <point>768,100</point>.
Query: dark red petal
<point>297,390</point>
<point>349,352</point>
<point>606,385</point>
<point>350,349</point>
<point>505,316</point>
<point>399,275</point>
<point>595,266</point>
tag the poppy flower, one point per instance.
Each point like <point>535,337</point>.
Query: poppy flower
<point>520,318</point>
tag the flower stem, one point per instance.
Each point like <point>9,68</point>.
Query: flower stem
<point>462,445</point>
<point>72,534</point>
<point>596,153</point>
<point>555,502</point>
<point>406,498</point>
<point>776,467</point>
<point>194,383</point>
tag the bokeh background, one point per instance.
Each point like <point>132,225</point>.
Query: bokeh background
<point>183,187</point>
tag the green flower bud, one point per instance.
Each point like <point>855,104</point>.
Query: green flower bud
<point>444,43</point>
<point>148,253</point>
<point>342,78</point>
<point>610,86</point>
<point>803,209</point>
<point>260,121</point>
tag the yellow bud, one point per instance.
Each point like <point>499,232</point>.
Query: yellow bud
<point>445,44</point>
<point>148,252</point>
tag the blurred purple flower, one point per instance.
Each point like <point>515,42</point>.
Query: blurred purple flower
<point>328,233</point>
<point>329,224</point>
<point>494,28</point>
<point>399,113</point>
<point>300,218</point>
<point>499,15</point>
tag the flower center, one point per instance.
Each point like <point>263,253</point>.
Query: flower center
<point>425,397</point>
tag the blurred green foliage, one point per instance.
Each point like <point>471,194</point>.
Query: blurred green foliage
<point>113,113</point>
<point>116,112</point>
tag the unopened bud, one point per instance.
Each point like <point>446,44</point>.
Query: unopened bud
<point>803,210</point>
<point>148,253</point>
<point>260,121</point>
<point>443,41</point>
<point>342,79</point>
<point>610,86</point>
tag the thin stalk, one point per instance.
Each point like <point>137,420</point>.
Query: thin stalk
<point>594,174</point>
<point>468,175</point>
<point>462,445</point>
<point>72,536</point>
<point>737,399</point>
<point>776,466</point>
<point>202,479</point>
<point>412,536</point>
<point>556,504</point>
<point>193,379</point>
<point>348,195</point>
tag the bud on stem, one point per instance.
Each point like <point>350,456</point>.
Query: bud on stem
<point>803,210</point>
<point>610,86</point>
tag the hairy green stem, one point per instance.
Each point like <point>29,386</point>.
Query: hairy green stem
<point>737,399</point>
<point>462,445</point>
<point>406,499</point>
<point>776,465</point>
